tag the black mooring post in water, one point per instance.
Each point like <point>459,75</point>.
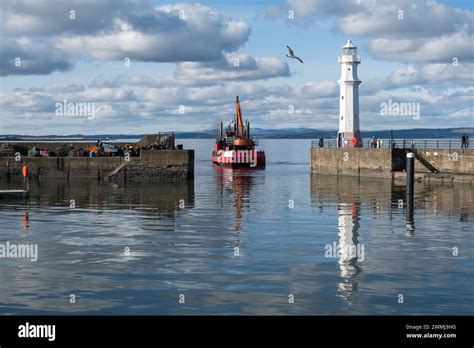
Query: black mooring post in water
<point>410,170</point>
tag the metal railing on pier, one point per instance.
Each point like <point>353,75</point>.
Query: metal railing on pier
<point>441,144</point>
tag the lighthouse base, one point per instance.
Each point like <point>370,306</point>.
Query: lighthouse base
<point>349,139</point>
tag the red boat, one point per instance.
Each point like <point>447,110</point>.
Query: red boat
<point>235,148</point>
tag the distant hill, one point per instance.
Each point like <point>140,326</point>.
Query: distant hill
<point>289,133</point>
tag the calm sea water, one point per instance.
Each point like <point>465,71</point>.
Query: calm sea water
<point>258,242</point>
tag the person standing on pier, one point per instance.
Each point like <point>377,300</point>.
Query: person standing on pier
<point>463,142</point>
<point>374,142</point>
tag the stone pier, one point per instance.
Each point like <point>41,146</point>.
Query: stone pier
<point>430,165</point>
<point>149,165</point>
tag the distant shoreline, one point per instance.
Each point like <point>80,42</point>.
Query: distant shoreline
<point>297,133</point>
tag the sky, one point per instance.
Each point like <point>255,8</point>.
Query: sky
<point>143,66</point>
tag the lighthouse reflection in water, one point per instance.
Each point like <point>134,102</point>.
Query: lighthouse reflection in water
<point>351,252</point>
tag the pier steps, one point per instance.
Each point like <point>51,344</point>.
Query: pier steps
<point>424,161</point>
<point>108,177</point>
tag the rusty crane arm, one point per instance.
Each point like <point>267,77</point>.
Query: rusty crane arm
<point>239,121</point>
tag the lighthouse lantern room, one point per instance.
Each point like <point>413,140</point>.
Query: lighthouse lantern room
<point>349,132</point>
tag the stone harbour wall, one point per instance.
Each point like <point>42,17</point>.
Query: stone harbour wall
<point>151,164</point>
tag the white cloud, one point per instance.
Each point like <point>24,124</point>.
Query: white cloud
<point>115,31</point>
<point>235,66</point>
<point>439,49</point>
<point>315,104</point>
<point>195,34</point>
<point>204,45</point>
<point>404,18</point>
<point>319,89</point>
<point>25,56</point>
<point>325,7</point>
<point>399,30</point>
<point>46,18</point>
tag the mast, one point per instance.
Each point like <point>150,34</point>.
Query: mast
<point>238,118</point>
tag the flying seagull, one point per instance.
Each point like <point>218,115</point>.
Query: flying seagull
<point>292,54</point>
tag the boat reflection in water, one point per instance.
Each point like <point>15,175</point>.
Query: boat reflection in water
<point>234,184</point>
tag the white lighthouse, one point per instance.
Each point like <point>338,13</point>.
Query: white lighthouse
<point>349,132</point>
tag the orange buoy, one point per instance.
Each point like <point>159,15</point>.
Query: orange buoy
<point>25,171</point>
<point>354,141</point>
